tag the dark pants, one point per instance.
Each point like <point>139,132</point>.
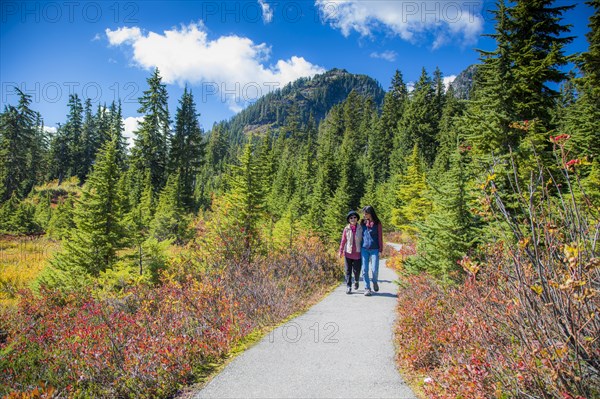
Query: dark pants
<point>352,265</point>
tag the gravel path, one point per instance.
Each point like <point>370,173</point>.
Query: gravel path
<point>341,348</point>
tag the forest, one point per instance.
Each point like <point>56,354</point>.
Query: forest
<point>130,271</point>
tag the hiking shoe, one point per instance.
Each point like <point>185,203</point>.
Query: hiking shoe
<point>375,286</point>
<point>356,285</point>
<point>348,290</point>
<point>368,292</point>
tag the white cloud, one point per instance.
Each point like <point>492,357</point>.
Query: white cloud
<point>131,124</point>
<point>229,66</point>
<point>267,12</point>
<point>387,55</point>
<point>123,35</point>
<point>50,129</point>
<point>446,20</point>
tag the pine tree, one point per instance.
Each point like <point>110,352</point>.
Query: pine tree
<point>17,138</point>
<point>116,130</point>
<point>448,135</point>
<point>327,172</point>
<point>351,180</point>
<point>537,56</point>
<point>90,142</point>
<point>187,149</point>
<point>411,194</point>
<point>513,83</point>
<point>92,247</point>
<point>583,117</point>
<point>450,230</point>
<point>417,126</point>
<point>170,220</point>
<point>62,224</point>
<point>151,144</point>
<point>73,136</point>
<point>394,104</point>
<point>374,159</point>
<point>245,198</point>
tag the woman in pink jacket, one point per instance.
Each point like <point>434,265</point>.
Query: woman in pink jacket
<point>350,248</point>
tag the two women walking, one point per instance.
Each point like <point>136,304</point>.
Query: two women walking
<point>361,245</point>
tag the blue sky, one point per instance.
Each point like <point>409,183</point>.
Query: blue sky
<point>230,52</point>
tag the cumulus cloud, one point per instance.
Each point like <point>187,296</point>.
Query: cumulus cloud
<point>230,66</point>
<point>445,20</point>
<point>130,126</point>
<point>50,129</point>
<point>267,12</point>
<point>387,55</point>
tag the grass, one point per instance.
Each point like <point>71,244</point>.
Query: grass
<point>21,261</point>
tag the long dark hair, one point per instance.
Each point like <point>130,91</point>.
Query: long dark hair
<point>371,211</point>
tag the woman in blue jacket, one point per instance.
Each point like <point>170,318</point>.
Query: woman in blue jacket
<point>372,245</point>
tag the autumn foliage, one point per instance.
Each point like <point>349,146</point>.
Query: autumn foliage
<point>150,340</point>
<point>525,321</point>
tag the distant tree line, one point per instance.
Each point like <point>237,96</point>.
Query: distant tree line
<point>418,156</point>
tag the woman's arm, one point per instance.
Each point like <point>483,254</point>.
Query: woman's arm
<point>343,243</point>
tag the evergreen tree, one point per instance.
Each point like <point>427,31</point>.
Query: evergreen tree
<point>350,173</point>
<point>17,138</point>
<point>450,230</point>
<point>73,136</point>
<point>62,223</point>
<point>448,135</point>
<point>413,204</point>
<point>417,126</point>
<point>514,82</point>
<point>394,104</point>
<point>489,114</point>
<point>245,198</point>
<point>170,220</point>
<point>537,56</point>
<point>37,156</point>
<point>92,247</point>
<point>327,172</point>
<point>375,159</point>
<point>116,130</point>
<point>187,149</point>
<point>209,177</point>
<point>90,142</point>
<point>583,117</point>
<point>151,143</point>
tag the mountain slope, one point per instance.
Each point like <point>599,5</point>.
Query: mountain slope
<point>302,100</point>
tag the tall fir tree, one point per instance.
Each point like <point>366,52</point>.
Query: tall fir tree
<point>448,135</point>
<point>73,131</point>
<point>151,144</point>
<point>450,229</point>
<point>327,171</point>
<point>116,132</point>
<point>170,219</point>
<point>92,246</point>
<point>417,126</point>
<point>245,200</point>
<point>90,141</point>
<point>187,149</point>
<point>17,138</point>
<point>583,117</point>
<point>514,84</point>
<point>537,39</point>
<point>394,104</point>
<point>412,199</point>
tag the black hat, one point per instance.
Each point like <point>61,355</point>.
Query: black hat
<point>350,214</point>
